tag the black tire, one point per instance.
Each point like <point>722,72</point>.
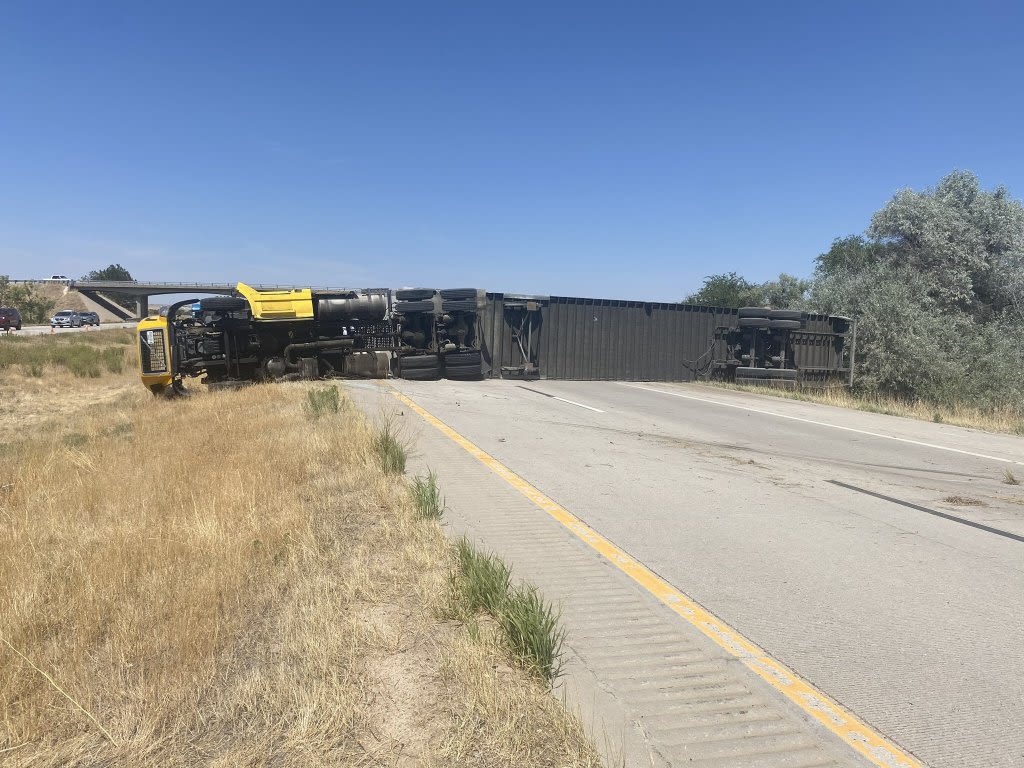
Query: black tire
<point>783,373</point>
<point>785,325</point>
<point>473,357</point>
<point>419,362</point>
<point>754,322</point>
<point>414,294</point>
<point>422,374</point>
<point>223,304</point>
<point>753,312</point>
<point>785,314</point>
<point>463,372</point>
<point>17,327</point>
<point>458,293</point>
<point>744,372</point>
<point>425,305</point>
<point>458,305</point>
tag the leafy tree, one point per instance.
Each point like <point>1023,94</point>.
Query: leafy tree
<point>112,272</point>
<point>787,292</point>
<point>731,290</point>
<point>936,285</point>
<point>965,241</point>
<point>34,308</point>
<point>725,290</point>
<point>851,254</point>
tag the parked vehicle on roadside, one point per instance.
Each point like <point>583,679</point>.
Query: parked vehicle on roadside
<point>10,318</point>
<point>67,318</point>
<point>58,277</point>
<point>90,318</point>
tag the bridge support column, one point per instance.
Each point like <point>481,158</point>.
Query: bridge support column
<point>142,306</point>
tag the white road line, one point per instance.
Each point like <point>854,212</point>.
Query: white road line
<point>581,405</point>
<point>825,424</point>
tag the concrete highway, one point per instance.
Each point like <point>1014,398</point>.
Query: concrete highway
<point>880,558</point>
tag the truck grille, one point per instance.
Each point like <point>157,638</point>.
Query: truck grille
<point>153,351</point>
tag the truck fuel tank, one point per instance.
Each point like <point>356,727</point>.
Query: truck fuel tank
<point>362,306</point>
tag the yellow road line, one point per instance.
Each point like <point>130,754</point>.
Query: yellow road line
<point>857,734</point>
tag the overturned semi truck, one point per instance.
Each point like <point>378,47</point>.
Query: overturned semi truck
<point>465,333</point>
<point>267,335</point>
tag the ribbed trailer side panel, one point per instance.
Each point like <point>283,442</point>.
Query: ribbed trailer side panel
<point>577,338</point>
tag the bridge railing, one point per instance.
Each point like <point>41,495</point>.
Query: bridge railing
<point>140,287</point>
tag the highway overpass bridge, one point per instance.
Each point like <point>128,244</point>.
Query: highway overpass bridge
<point>140,291</point>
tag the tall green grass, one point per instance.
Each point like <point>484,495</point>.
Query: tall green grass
<point>482,583</point>
<point>426,496</point>
<point>87,355</point>
<point>389,448</point>
<point>322,401</point>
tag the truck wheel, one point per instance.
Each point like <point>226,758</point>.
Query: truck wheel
<point>414,294</point>
<point>419,362</point>
<point>785,314</point>
<point>458,305</point>
<point>472,357</point>
<point>463,372</point>
<point>785,325</point>
<point>422,374</point>
<point>752,312</point>
<point>425,305</point>
<point>459,293</point>
<point>223,304</point>
<point>754,322</point>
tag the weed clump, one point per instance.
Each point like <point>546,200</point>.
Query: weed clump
<point>1009,478</point>
<point>529,625</point>
<point>483,580</point>
<point>322,402</point>
<point>426,496</point>
<point>390,451</point>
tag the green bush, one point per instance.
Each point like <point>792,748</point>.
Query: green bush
<point>935,285</point>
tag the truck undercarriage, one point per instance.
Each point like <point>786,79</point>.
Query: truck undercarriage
<point>284,335</point>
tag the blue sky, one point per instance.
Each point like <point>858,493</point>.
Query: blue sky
<point>620,151</point>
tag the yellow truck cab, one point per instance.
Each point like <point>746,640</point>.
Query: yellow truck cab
<point>258,335</point>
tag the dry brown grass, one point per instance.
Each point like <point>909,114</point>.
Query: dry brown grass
<point>62,296</point>
<point>38,389</point>
<point>224,581</point>
<point>1008,420</point>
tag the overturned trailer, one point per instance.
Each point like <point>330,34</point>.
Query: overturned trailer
<point>466,333</point>
<point>565,337</point>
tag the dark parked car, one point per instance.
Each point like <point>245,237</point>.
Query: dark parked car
<point>66,319</point>
<point>10,318</point>
<point>90,318</point>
